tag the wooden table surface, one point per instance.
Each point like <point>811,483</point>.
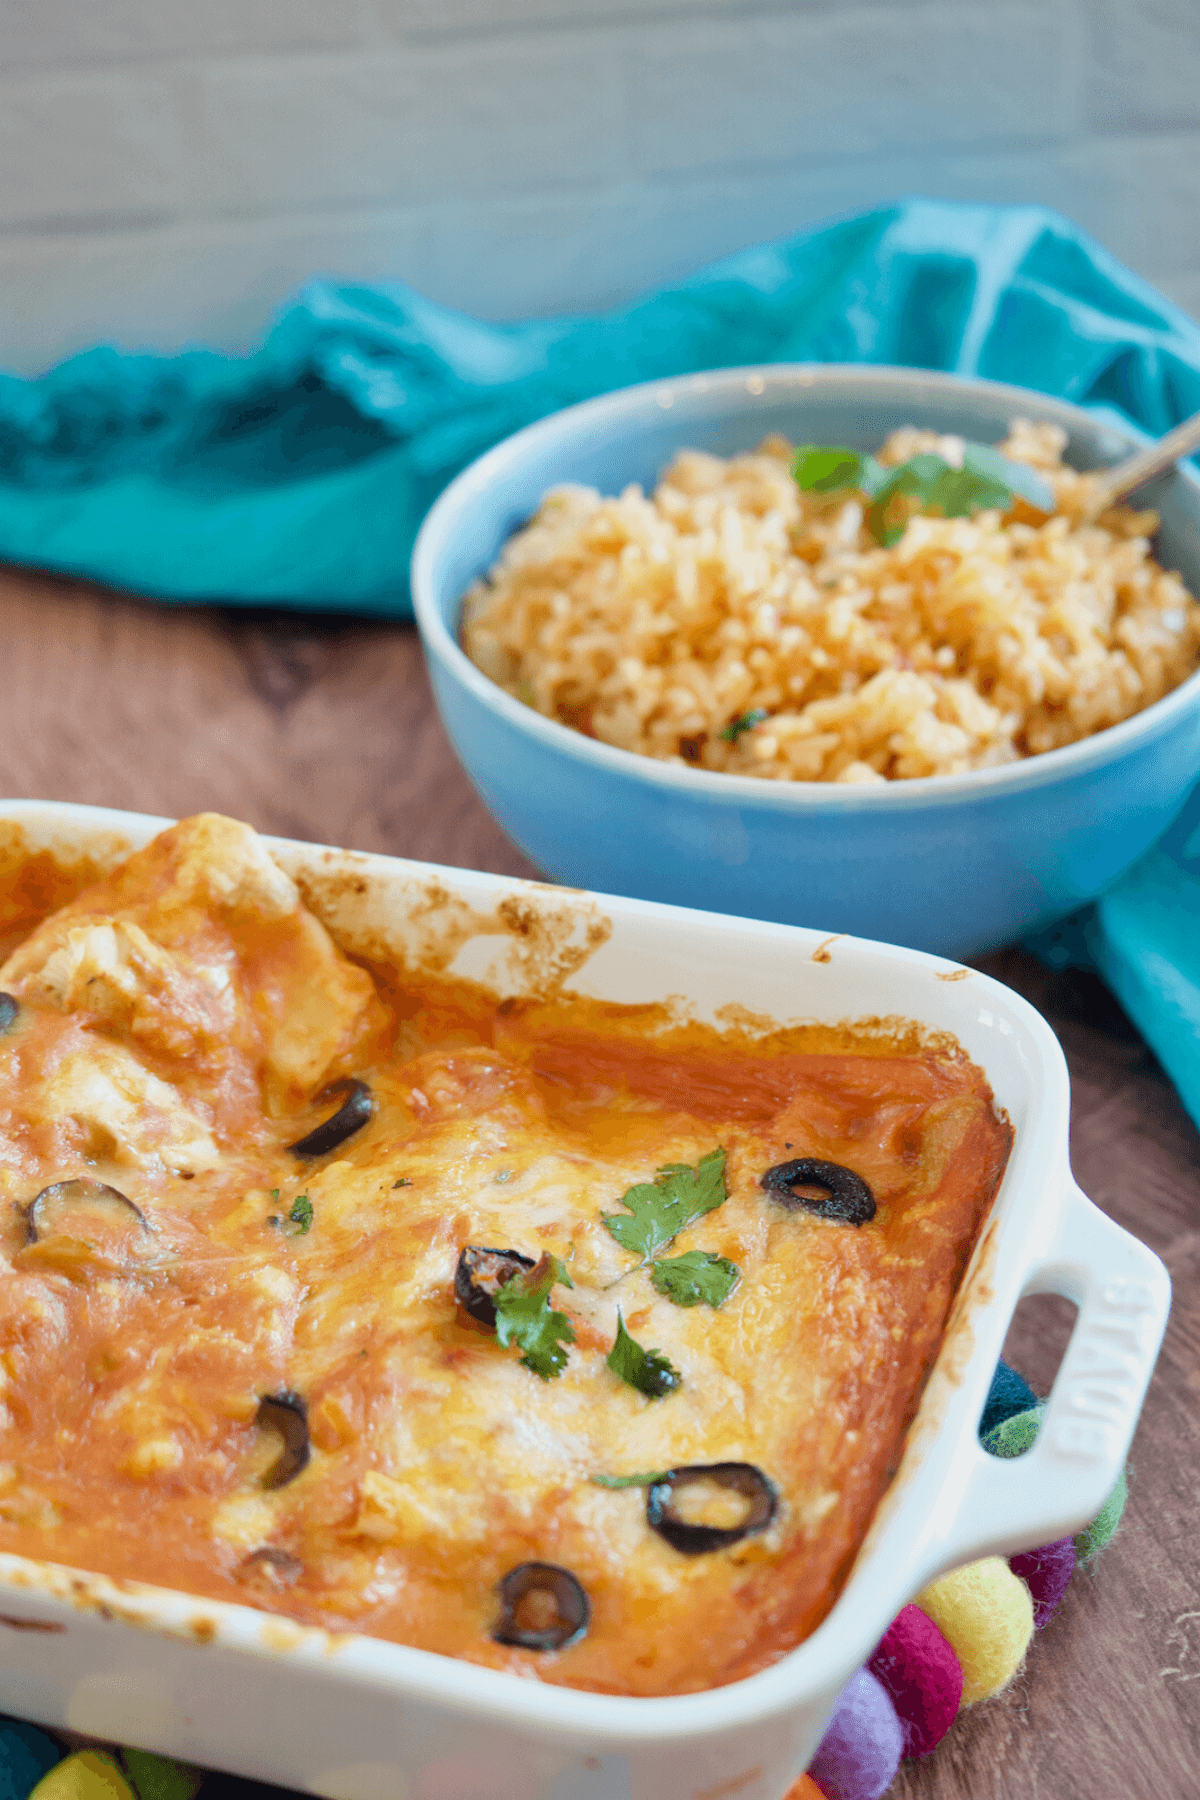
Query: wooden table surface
<point>326,730</point>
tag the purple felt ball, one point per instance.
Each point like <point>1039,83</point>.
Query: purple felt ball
<point>1046,1573</point>
<point>859,1755</point>
<point>921,1673</point>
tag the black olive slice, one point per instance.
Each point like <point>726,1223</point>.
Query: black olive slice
<point>479,1273</point>
<point>350,1117</point>
<point>279,1567</point>
<point>287,1414</point>
<point>845,1195</point>
<point>9,1008</point>
<point>80,1192</point>
<point>541,1591</point>
<point>694,1540</point>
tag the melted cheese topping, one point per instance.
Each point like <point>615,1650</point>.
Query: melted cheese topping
<point>178,1021</point>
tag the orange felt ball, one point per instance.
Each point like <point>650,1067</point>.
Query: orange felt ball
<point>805,1789</point>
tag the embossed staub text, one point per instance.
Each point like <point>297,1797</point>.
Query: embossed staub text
<point>1106,1363</point>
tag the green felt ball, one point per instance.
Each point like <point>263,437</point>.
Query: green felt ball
<point>1093,1537</point>
<point>160,1777</point>
<point>1016,1435</point>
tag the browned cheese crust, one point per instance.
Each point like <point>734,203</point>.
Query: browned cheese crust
<point>177,1024</point>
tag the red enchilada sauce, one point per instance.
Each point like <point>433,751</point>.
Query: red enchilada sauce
<point>256,1381</point>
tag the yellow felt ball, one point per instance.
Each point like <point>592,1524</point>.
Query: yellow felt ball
<point>987,1614</point>
<point>88,1775</point>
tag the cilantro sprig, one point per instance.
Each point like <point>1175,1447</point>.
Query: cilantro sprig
<point>696,1276</point>
<point>298,1222</point>
<point>986,479</point>
<point>828,469</point>
<point>649,1371</point>
<point>524,1317</point>
<point>657,1211</point>
<point>301,1215</point>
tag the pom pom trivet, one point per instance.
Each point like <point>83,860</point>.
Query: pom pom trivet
<point>859,1755</point>
<point>921,1673</point>
<point>987,1614</point>
<point>1046,1573</point>
<point>967,1635</point>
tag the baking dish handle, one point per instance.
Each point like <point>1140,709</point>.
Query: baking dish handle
<point>1123,1293</point>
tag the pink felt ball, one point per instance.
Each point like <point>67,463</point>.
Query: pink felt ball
<point>1046,1573</point>
<point>859,1755</point>
<point>920,1671</point>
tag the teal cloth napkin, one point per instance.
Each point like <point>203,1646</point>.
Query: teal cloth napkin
<point>298,476</point>
<point>1143,937</point>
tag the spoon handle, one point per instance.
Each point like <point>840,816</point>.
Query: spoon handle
<point>1127,476</point>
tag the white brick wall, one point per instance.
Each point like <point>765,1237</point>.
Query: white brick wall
<point>170,169</point>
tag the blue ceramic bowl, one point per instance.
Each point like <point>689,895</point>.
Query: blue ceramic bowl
<point>951,863</point>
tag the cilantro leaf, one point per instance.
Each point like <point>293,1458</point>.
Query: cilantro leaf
<point>525,1317</point>
<point>915,478</point>
<point>646,1370</point>
<point>957,493</point>
<point>985,480</point>
<point>745,722</point>
<point>697,1275</point>
<point>821,469</point>
<point>647,1479</point>
<point>1019,478</point>
<point>659,1209</point>
<point>301,1215</point>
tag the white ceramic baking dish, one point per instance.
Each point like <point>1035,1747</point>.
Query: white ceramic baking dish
<point>354,1718</point>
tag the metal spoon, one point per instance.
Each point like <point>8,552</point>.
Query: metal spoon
<point>1135,471</point>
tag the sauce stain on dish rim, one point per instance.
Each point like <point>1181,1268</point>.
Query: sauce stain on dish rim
<point>148,1607</point>
<point>542,946</point>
